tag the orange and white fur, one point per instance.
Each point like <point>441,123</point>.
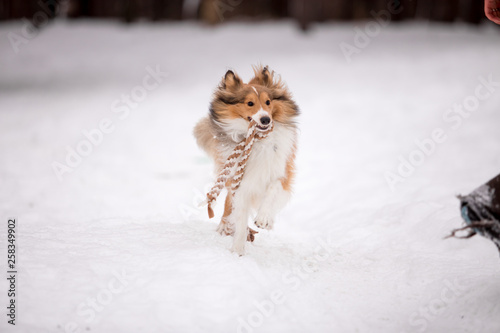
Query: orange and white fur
<point>266,184</point>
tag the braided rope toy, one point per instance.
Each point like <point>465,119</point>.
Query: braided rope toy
<point>234,167</point>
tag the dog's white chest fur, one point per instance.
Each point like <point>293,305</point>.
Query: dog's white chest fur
<point>268,159</point>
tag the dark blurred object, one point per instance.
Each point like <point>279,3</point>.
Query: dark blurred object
<point>481,212</point>
<point>11,9</point>
<point>304,12</point>
<point>217,11</point>
<point>128,10</point>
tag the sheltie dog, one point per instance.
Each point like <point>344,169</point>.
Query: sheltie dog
<point>267,181</point>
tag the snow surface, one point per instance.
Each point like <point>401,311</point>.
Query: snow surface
<point>129,208</point>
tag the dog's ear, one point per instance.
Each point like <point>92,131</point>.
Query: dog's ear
<point>231,81</point>
<point>280,94</point>
<point>262,76</point>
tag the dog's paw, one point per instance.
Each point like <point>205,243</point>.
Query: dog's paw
<point>225,228</point>
<point>238,249</point>
<point>264,222</point>
<point>251,235</point>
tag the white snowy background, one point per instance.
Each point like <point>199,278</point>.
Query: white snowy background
<point>119,245</point>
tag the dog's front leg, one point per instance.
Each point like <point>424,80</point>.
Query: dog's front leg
<point>226,226</point>
<point>274,200</point>
<point>239,217</point>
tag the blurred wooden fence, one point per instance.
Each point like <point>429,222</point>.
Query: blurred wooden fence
<point>217,11</point>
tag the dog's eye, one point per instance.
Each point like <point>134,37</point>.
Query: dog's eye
<point>250,103</point>
<point>268,102</point>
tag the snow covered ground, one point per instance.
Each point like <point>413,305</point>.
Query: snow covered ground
<point>113,241</point>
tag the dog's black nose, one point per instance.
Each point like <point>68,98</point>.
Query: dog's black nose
<point>265,120</point>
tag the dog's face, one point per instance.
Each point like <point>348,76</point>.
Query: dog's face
<point>263,99</point>
<point>249,102</point>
